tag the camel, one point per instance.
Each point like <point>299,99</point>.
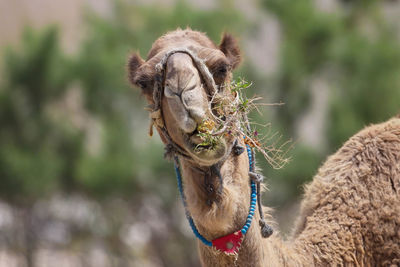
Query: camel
<point>350,212</point>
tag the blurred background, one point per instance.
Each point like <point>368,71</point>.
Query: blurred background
<point>82,184</point>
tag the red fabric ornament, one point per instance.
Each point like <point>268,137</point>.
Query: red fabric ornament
<point>229,244</point>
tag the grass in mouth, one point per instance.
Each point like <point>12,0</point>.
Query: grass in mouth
<point>209,141</point>
<point>229,109</point>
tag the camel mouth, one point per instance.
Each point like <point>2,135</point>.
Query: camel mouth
<point>203,151</point>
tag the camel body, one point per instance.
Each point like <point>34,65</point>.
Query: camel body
<point>350,214</point>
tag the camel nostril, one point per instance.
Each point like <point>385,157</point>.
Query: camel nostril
<point>197,114</point>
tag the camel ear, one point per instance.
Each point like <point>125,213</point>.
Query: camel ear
<point>135,61</point>
<point>229,46</point>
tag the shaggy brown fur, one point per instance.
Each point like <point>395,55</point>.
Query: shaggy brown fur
<point>350,212</point>
<point>353,203</point>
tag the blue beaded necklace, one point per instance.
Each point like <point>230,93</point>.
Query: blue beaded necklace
<point>227,239</point>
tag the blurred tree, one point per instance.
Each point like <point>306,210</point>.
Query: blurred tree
<point>357,50</point>
<point>308,36</point>
<point>368,63</point>
<point>47,147</point>
<point>356,46</point>
<point>35,151</point>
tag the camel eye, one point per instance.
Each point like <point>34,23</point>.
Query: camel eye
<point>142,84</point>
<point>221,71</point>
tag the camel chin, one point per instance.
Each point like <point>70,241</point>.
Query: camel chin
<point>207,156</point>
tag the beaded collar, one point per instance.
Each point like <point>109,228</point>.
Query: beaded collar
<point>229,244</point>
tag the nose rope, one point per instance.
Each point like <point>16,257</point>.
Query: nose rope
<point>199,63</point>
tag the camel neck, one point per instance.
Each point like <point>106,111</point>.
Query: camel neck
<point>228,214</point>
<point>231,212</point>
<point>230,201</point>
<point>231,243</point>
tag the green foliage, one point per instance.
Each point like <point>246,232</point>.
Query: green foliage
<point>209,141</point>
<point>369,84</point>
<point>34,154</point>
<point>287,183</point>
<point>308,39</point>
<point>365,84</point>
<point>360,67</point>
<point>110,170</point>
<point>141,25</point>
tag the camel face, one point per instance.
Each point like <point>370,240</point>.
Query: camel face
<point>185,95</point>
<point>185,107</point>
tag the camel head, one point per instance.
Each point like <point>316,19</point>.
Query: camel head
<point>186,92</point>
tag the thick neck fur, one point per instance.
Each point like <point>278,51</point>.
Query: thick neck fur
<point>228,214</point>
<point>229,211</point>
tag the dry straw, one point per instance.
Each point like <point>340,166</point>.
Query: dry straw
<point>229,108</point>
